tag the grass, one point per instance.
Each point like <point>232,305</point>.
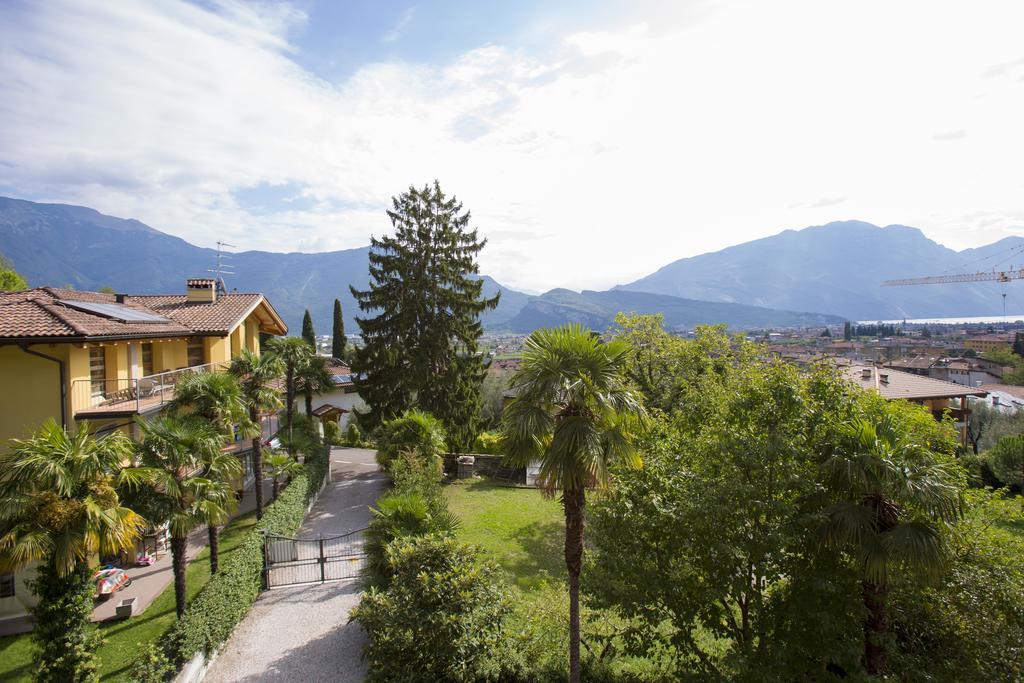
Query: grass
<point>125,640</point>
<point>520,529</point>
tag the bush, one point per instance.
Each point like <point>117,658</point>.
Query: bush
<point>332,433</point>
<point>415,507</point>
<point>230,593</point>
<point>488,442</point>
<point>352,436</point>
<point>414,431</point>
<point>1007,459</point>
<point>442,617</point>
<point>970,625</point>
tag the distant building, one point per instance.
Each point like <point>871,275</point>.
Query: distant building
<point>938,396</point>
<point>338,404</point>
<point>989,342</point>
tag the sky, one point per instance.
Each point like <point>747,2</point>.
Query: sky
<point>593,142</point>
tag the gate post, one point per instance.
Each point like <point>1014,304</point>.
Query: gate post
<point>266,563</point>
<point>323,561</point>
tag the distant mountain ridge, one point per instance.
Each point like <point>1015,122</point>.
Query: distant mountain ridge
<point>834,269</point>
<point>839,268</point>
<point>597,310</point>
<point>57,244</point>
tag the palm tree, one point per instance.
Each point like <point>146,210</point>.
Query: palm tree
<point>893,495</point>
<point>257,375</point>
<point>574,413</point>
<point>294,352</point>
<point>280,466</point>
<point>191,474</point>
<point>217,398</point>
<point>313,377</point>
<point>59,506</point>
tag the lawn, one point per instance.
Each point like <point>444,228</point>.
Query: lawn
<point>123,640</point>
<point>519,528</point>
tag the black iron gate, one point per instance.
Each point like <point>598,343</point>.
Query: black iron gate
<point>293,561</point>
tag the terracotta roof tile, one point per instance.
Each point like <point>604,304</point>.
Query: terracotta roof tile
<point>49,312</point>
<point>221,316</point>
<point>892,384</point>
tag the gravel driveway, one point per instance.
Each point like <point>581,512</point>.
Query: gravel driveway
<point>301,633</point>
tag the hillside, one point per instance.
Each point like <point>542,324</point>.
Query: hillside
<point>56,244</point>
<point>837,268</point>
<point>597,310</point>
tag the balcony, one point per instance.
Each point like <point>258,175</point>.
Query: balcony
<point>125,397</point>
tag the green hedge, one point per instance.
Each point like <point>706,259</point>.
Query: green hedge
<point>227,598</point>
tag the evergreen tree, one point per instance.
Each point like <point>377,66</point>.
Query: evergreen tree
<point>307,330</point>
<point>420,348</point>
<point>1018,344</point>
<point>847,331</point>
<point>338,333</point>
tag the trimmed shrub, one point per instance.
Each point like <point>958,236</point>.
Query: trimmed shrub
<point>352,435</point>
<point>227,598</point>
<point>442,617</point>
<point>415,431</point>
<point>332,433</point>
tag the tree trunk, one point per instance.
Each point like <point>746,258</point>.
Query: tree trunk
<point>64,638</point>
<point>875,627</point>
<point>276,488</point>
<point>309,404</point>
<point>290,408</point>
<point>179,552</point>
<point>257,462</point>
<point>211,531</point>
<point>573,501</point>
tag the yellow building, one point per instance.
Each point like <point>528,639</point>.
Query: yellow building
<point>989,342</point>
<point>76,356</point>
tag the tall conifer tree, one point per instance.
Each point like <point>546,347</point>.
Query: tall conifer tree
<point>420,347</point>
<point>338,333</point>
<point>307,330</point>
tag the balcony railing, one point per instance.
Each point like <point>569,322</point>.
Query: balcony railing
<point>98,398</point>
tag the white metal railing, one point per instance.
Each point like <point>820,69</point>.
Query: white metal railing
<point>131,395</point>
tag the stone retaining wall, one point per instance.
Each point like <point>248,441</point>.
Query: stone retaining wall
<point>487,465</point>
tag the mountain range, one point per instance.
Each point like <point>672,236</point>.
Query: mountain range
<point>839,268</point>
<point>835,269</point>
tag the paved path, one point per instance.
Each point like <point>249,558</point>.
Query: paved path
<point>301,633</point>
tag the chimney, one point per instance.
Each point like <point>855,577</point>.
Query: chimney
<point>201,290</point>
<point>119,298</point>
<point>865,373</point>
<point>883,377</point>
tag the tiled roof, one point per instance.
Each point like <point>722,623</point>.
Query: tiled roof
<point>219,316</point>
<point>892,384</point>
<point>49,313</point>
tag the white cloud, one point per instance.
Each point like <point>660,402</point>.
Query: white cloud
<point>616,152</point>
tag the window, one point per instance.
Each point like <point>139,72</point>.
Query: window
<point>195,353</point>
<point>7,585</point>
<point>147,360</point>
<point>97,371</point>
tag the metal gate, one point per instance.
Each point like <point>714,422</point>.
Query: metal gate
<point>293,561</point>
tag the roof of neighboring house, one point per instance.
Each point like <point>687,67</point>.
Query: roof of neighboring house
<point>918,362</point>
<point>1010,389</point>
<point>893,384</point>
<point>46,313</point>
<point>327,409</point>
<point>341,373</point>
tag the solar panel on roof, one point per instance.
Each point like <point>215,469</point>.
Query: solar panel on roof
<point>118,312</point>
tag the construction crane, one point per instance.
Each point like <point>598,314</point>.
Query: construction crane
<point>984,276</point>
<point>1004,275</point>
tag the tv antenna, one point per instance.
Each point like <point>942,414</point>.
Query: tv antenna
<point>223,267</point>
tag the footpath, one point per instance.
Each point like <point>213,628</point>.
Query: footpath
<point>301,633</point>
